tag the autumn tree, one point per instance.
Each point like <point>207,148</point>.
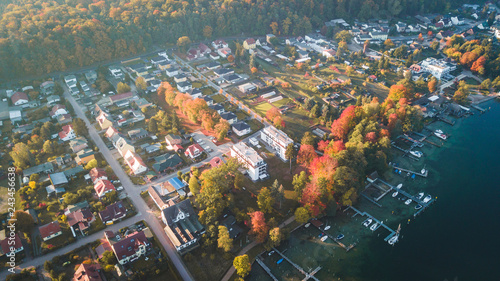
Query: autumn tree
<point>388,43</point>
<point>207,31</point>
<point>153,126</point>
<point>259,226</point>
<point>242,265</point>
<point>91,164</point>
<point>140,83</point>
<point>230,58</point>
<point>80,127</point>
<point>397,92</point>
<point>274,27</point>
<point>340,127</point>
<point>122,88</point>
<point>183,42</point>
<point>221,129</point>
<point>366,45</point>
<point>420,37</point>
<point>224,241</point>
<point>306,154</point>
<point>275,237</point>
<point>194,186</point>
<point>265,200</point>
<point>22,156</point>
<point>254,70</point>
<point>24,221</point>
<point>486,84</point>
<point>302,215</point>
<point>343,36</point>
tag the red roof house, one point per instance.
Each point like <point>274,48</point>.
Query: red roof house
<point>97,174</point>
<point>193,151</point>
<point>88,272</point>
<point>80,219</point>
<point>6,244</point>
<point>19,98</point>
<point>50,230</point>
<point>120,97</point>
<point>216,162</point>
<point>113,212</point>
<point>130,248</point>
<point>67,133</point>
<point>102,187</point>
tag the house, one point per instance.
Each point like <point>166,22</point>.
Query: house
<point>58,110</point>
<point>231,78</point>
<point>105,120</point>
<point>47,88</point>
<point>204,49</point>
<point>212,65</point>
<point>137,134</point>
<point>19,98</point>
<point>219,43</point>
<point>67,133</point>
<point>193,151</point>
<point>230,117</point>
<point>135,163</point>
<point>157,60</point>
<point>216,162</point>
<point>80,220</point>
<point>224,52</point>
<point>42,169</point>
<point>53,99</point>
<point>121,97</point>
<point>277,139</point>
<point>269,37</point>
<point>181,77</point>
<point>15,115</point>
<point>241,128</point>
<point>78,144</point>
<point>64,119</point>
<point>172,140</point>
<point>155,196</point>
<point>91,76</point>
<point>223,71</point>
<point>113,212</point>
<point>172,71</point>
<point>456,21</point>
<point>97,174</point>
<point>10,242</point>
<point>50,230</point>
<point>446,22</point>
<point>195,93</point>
<point>209,100</point>
<point>182,225</point>
<point>71,173</point>
<point>218,108</point>
<point>328,53</point>
<point>378,35</point>
<point>184,86</point>
<point>303,54</point>
<point>123,145</point>
<point>438,68</point>
<point>84,156</point>
<point>62,160</point>
<point>102,187</point>
<point>130,248</point>
<point>247,88</point>
<point>214,56</point>
<point>251,160</point>
<point>166,162</point>
<point>88,272</point>
<point>372,78</point>
<point>249,44</point>
<point>68,79</point>
<point>400,27</point>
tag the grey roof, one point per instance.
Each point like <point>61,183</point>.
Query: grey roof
<point>73,171</point>
<point>166,161</point>
<point>228,116</point>
<point>42,168</point>
<point>240,126</point>
<point>184,206</point>
<point>58,178</point>
<point>184,84</point>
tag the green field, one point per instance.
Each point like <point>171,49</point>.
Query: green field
<point>262,108</point>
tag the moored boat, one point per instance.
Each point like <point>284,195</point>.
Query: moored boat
<point>340,236</point>
<point>395,194</point>
<point>408,202</point>
<point>374,227</point>
<point>416,153</point>
<point>307,225</point>
<point>367,222</point>
<point>427,198</point>
<point>418,207</point>
<point>323,239</point>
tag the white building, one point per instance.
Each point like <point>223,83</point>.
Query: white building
<point>277,139</point>
<point>437,68</point>
<point>250,159</point>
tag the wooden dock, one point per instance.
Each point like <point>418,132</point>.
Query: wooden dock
<point>346,248</point>
<point>264,266</point>
<point>446,120</point>
<point>300,269</point>
<point>433,143</point>
<point>380,223</point>
<point>412,197</point>
<point>371,200</point>
<point>424,175</point>
<point>480,109</point>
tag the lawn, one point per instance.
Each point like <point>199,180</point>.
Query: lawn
<point>218,98</point>
<point>207,91</point>
<point>297,122</point>
<point>282,102</point>
<point>241,115</point>
<point>262,108</point>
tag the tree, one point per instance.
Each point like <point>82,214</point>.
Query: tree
<point>431,85</point>
<point>221,129</point>
<point>343,35</point>
<point>265,200</point>
<point>22,156</point>
<point>183,42</point>
<point>194,186</point>
<point>108,258</point>
<point>290,154</point>
<point>242,265</point>
<point>274,27</point>
<point>259,226</point>
<point>153,126</point>
<point>435,45</point>
<point>275,237</point>
<point>207,31</point>
<point>254,70</point>
<point>91,164</point>
<point>302,215</point>
<point>140,83</point>
<point>366,45</point>
<point>299,183</point>
<point>388,43</point>
<point>486,84</point>
<point>230,58</point>
<point>420,37</point>
<point>307,139</point>
<point>24,221</point>
<point>122,88</point>
<point>80,127</point>
<point>397,92</point>
<point>224,241</point>
<point>306,154</point>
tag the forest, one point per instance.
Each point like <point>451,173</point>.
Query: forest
<point>39,37</point>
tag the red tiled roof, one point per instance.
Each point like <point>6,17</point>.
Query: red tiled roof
<point>120,97</point>
<point>103,186</point>
<point>177,147</point>
<point>97,173</point>
<point>55,108</point>
<point>79,216</point>
<point>88,272</point>
<point>113,212</point>
<point>216,162</point>
<point>220,42</point>
<point>6,247</point>
<point>128,246</point>
<point>49,229</point>
<point>111,131</point>
<point>65,131</point>
<point>203,47</point>
<point>191,149</point>
<point>18,96</point>
<point>250,41</point>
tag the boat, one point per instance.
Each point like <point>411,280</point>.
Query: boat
<point>418,207</point>
<point>399,186</point>
<point>340,236</point>
<point>367,222</point>
<point>307,225</point>
<point>438,131</point>
<point>327,227</point>
<point>280,261</point>
<point>408,202</point>
<point>441,136</point>
<point>395,238</point>
<point>423,171</point>
<point>416,153</point>
<point>395,194</point>
<point>374,227</point>
<point>420,196</point>
<point>323,239</point>
<point>427,198</point>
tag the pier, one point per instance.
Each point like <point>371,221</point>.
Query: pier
<point>424,175</point>
<point>264,266</point>
<point>380,223</point>
<point>406,151</point>
<point>346,248</point>
<point>482,110</point>
<point>308,275</point>
<point>446,120</point>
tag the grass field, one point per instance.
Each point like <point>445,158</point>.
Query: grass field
<point>262,108</point>
<point>281,102</point>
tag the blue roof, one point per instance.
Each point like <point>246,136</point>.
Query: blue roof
<point>176,183</point>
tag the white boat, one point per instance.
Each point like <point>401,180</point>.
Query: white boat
<point>367,222</point>
<point>393,239</point>
<point>423,171</point>
<point>374,227</point>
<point>416,153</point>
<point>441,136</point>
<point>408,202</point>
<point>340,236</point>
<point>324,238</point>
<point>427,198</point>
<point>399,186</point>
<point>395,194</point>
<point>418,207</point>
<point>438,131</point>
<point>327,227</point>
<point>420,196</point>
<point>307,225</point>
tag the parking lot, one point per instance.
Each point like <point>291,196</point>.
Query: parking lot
<point>204,141</point>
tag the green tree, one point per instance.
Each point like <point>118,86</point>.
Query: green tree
<point>299,183</point>
<point>91,164</point>
<point>22,156</point>
<point>486,84</point>
<point>224,241</point>
<point>122,88</point>
<point>265,200</point>
<point>79,127</point>
<point>194,186</point>
<point>290,154</point>
<point>275,237</point>
<point>140,83</point>
<point>183,42</point>
<point>343,35</point>
<point>207,31</point>
<point>153,126</point>
<point>242,265</point>
<point>302,215</point>
<point>24,222</point>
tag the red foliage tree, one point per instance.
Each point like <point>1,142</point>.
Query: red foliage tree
<point>341,126</point>
<point>478,64</point>
<point>396,92</point>
<point>311,199</point>
<point>392,121</point>
<point>306,154</point>
<point>371,137</point>
<point>468,59</point>
<point>323,167</point>
<point>272,113</point>
<point>322,145</point>
<point>259,226</point>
